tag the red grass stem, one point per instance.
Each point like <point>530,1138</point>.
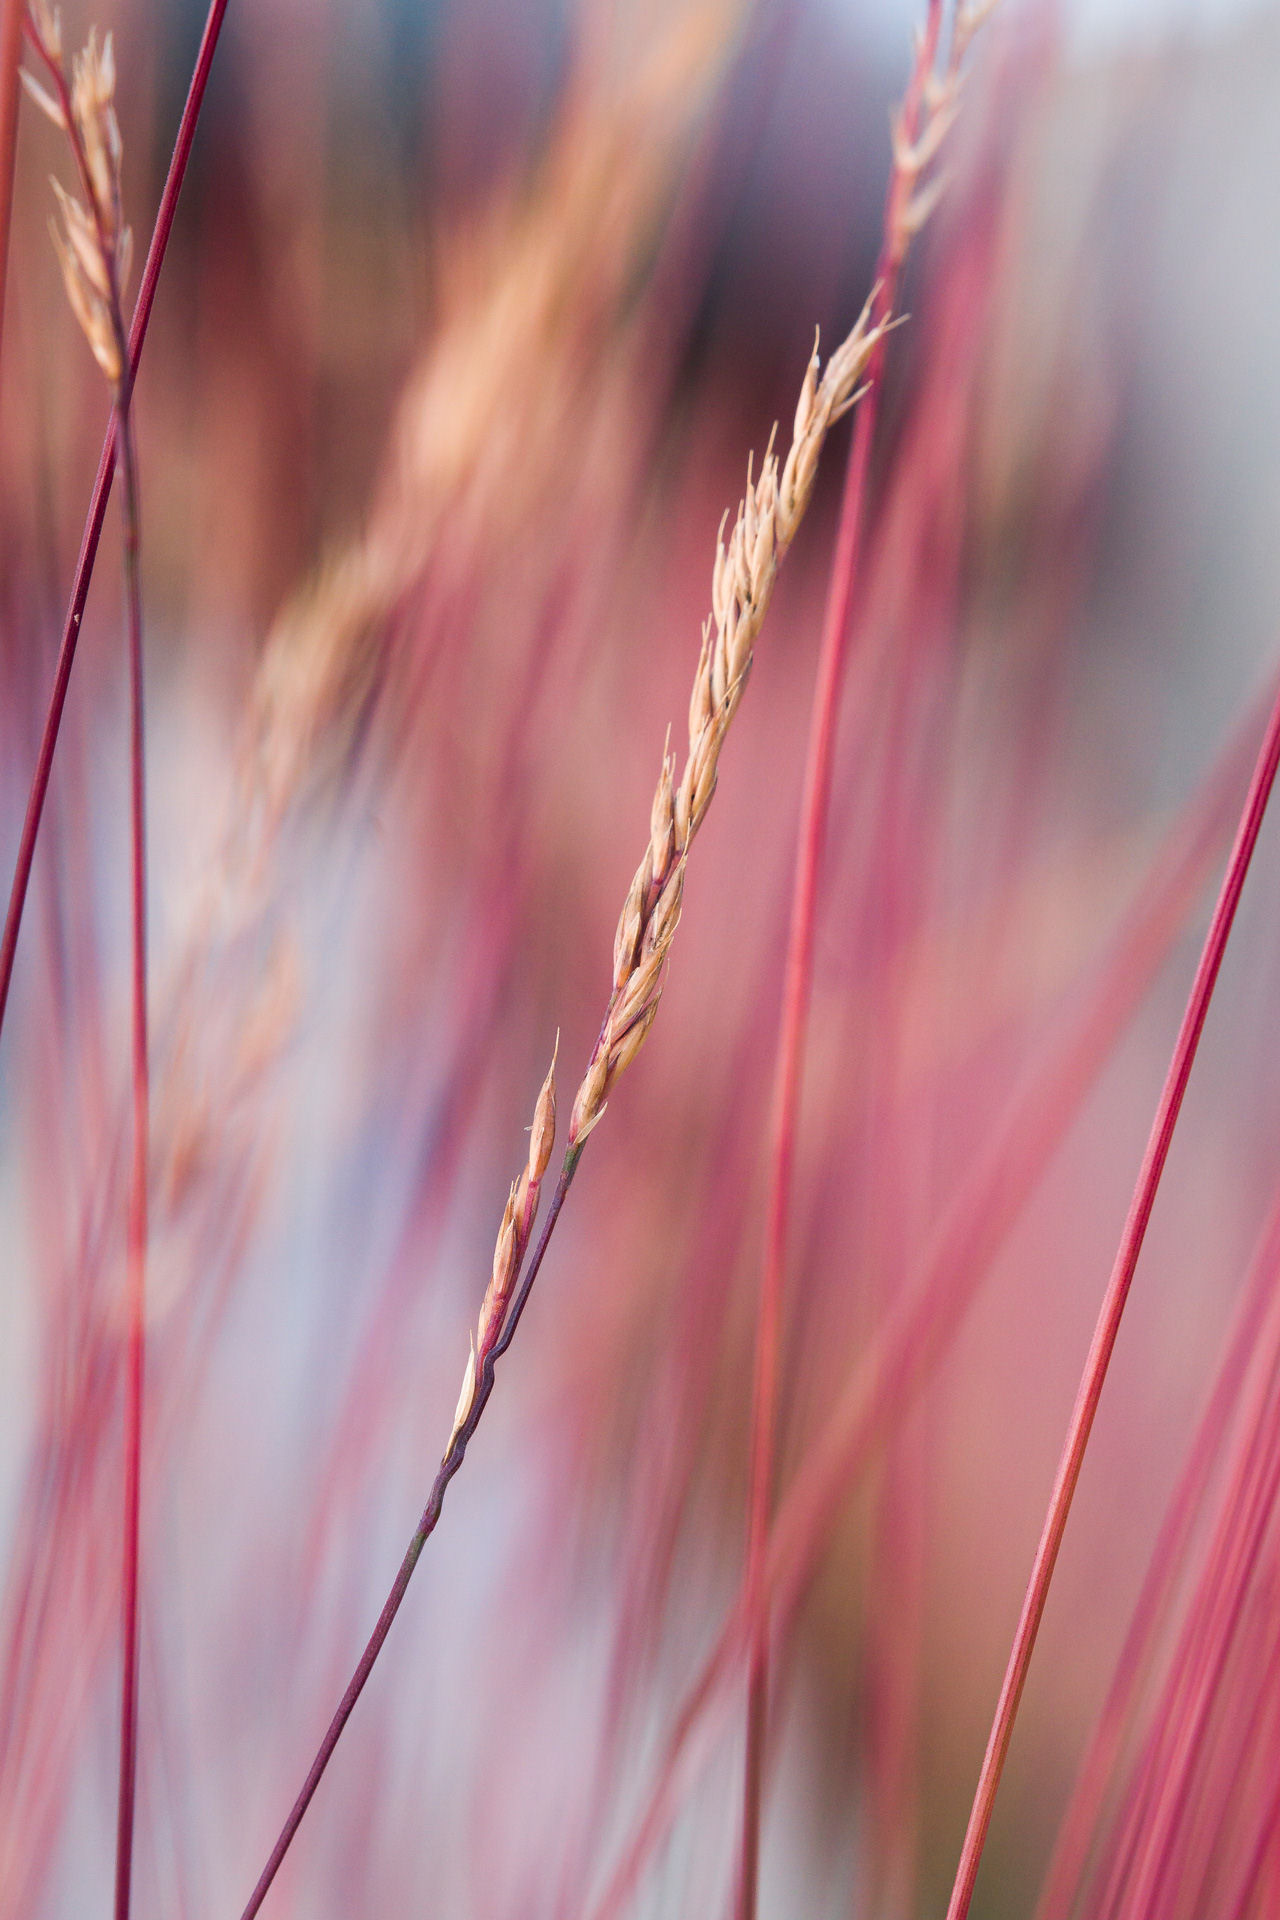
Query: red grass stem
<point>1071,1849</point>
<point>1108,1325</point>
<point>137,1233</point>
<point>426,1526</point>
<point>98,500</point>
<point>106,227</point>
<point>794,1023</point>
<point>885,1380</point>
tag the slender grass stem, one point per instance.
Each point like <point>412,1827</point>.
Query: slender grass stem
<point>102,201</point>
<point>99,497</point>
<point>1108,1324</point>
<point>794,1021</point>
<point>450,1464</point>
<point>1075,1834</point>
<point>137,1233</point>
<point>886,1379</point>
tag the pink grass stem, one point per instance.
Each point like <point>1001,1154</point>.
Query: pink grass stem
<point>1149,1777</point>
<point>137,1220</point>
<point>1072,1846</point>
<point>1108,1324</point>
<point>1240,1767</point>
<point>99,497</point>
<point>1201,1647</point>
<point>884,1381</point>
<point>1264,1841</point>
<point>794,1024</point>
<point>137,1230</point>
<point>1209,1643</point>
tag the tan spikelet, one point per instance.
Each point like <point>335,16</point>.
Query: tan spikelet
<point>93,245</point>
<point>742,581</point>
<point>512,1242</point>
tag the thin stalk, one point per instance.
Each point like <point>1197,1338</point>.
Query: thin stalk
<point>99,497</point>
<point>1108,1324</point>
<point>1232,1572</point>
<point>137,1240</point>
<point>1264,1841</point>
<point>107,226</point>
<point>887,1378</point>
<point>426,1526</point>
<point>794,1022</point>
<point>1071,1849</point>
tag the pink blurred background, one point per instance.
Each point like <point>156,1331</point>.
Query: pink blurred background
<point>471,319</point>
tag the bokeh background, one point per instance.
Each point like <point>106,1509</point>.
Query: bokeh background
<point>471,318</point>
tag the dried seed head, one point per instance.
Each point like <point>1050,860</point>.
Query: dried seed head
<point>719,675</point>
<point>504,1252</point>
<point>82,238</point>
<point>90,309</point>
<point>490,1322</point>
<point>93,85</point>
<point>704,776</point>
<point>701,705</point>
<point>634,1038</point>
<point>588,1107</point>
<point>721,578</point>
<point>631,921</point>
<point>94,248</point>
<point>47,22</point>
<point>808,388</point>
<point>743,576</point>
<point>747,517</point>
<point>762,561</point>
<point>465,1398</point>
<point>662,818</point>
<point>642,985</point>
<point>543,1132</point>
<point>666,910</point>
<point>48,106</point>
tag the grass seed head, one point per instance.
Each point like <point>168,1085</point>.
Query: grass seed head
<point>742,581</point>
<point>543,1132</point>
<point>93,245</point>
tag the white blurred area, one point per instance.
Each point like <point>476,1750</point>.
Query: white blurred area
<point>1096,27</point>
<point>1092,29</point>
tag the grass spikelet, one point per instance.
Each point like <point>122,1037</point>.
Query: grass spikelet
<point>746,567</point>
<point>93,244</point>
<point>743,579</point>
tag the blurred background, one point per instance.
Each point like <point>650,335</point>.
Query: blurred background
<point>471,318</point>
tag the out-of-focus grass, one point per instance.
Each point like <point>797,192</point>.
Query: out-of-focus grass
<point>467,331</point>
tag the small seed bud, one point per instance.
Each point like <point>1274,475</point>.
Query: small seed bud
<point>465,1398</point>
<point>634,1038</point>
<point>662,821</point>
<point>589,1104</point>
<point>543,1132</point>
<point>504,1253</point>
